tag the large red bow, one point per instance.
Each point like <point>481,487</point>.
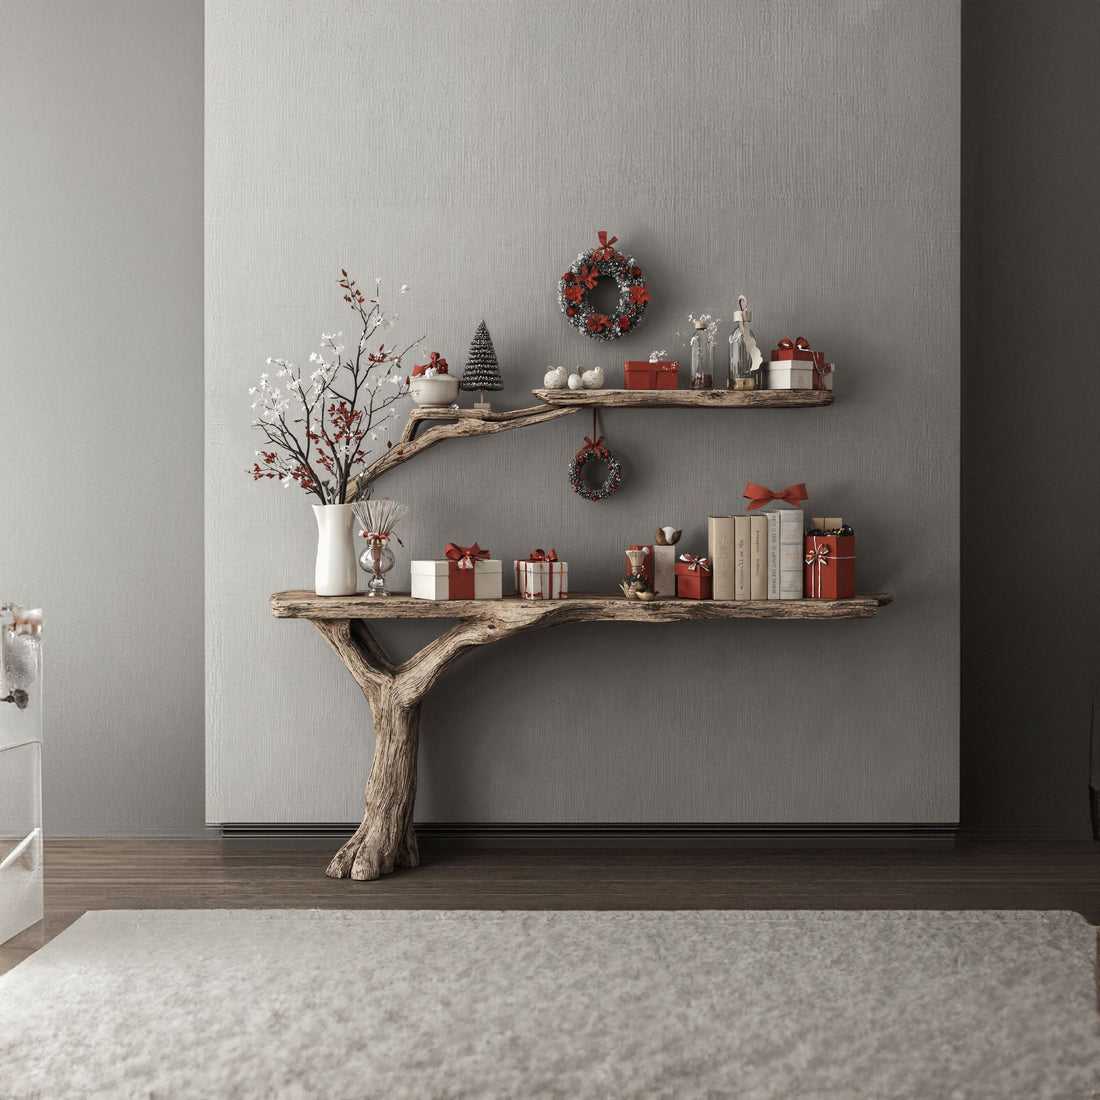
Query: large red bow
<point>793,494</point>
<point>465,555</point>
<point>802,344</point>
<point>696,564</point>
<point>542,555</point>
<point>605,251</point>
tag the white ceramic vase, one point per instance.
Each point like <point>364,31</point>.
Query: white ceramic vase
<point>337,567</point>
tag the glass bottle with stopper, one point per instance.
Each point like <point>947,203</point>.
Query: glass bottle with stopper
<point>702,339</point>
<point>745,355</point>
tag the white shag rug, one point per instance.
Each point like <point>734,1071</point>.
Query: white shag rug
<point>390,1004</point>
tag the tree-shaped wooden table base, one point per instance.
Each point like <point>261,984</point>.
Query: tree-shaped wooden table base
<point>386,838</point>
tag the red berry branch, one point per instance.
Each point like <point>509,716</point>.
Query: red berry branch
<point>320,429</point>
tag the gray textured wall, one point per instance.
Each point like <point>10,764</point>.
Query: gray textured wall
<point>804,153</point>
<point>1031,406</point>
<point>101,408</point>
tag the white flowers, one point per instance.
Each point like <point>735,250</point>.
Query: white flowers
<point>657,356</point>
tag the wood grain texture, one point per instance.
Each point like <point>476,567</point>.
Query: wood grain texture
<point>688,399</point>
<point>467,423</point>
<point>594,607</point>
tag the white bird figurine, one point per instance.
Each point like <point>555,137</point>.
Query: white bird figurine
<point>575,382</point>
<point>592,379</point>
<point>556,378</point>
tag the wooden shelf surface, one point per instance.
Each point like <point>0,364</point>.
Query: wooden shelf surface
<point>688,399</point>
<point>582,607</point>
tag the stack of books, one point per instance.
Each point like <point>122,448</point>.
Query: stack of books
<point>757,557</point>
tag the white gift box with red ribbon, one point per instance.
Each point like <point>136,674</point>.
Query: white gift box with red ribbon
<point>542,578</point>
<point>795,365</point>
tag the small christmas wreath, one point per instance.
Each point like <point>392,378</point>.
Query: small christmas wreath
<point>584,275</point>
<point>594,451</point>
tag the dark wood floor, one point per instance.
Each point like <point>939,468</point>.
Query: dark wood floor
<point>201,874</point>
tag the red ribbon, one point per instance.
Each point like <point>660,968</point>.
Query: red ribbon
<point>605,251</point>
<point>542,555</point>
<point>589,277</point>
<point>381,537</point>
<point>793,494</point>
<point>598,447</point>
<point>436,360</point>
<point>694,563</point>
<point>802,344</point>
<point>465,556</point>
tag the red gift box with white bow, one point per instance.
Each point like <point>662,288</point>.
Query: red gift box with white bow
<point>694,578</point>
<point>830,567</point>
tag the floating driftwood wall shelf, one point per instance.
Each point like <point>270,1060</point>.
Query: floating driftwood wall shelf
<point>386,838</point>
<point>686,399</point>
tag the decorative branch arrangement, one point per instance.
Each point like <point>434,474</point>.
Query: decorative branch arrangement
<point>320,429</point>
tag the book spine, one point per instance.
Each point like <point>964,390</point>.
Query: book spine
<point>720,550</point>
<point>740,557</point>
<point>758,557</point>
<point>791,548</point>
<point>773,555</point>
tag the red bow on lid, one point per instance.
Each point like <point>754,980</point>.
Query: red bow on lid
<point>801,343</point>
<point>694,563</point>
<point>605,251</point>
<point>793,494</point>
<point>542,555</point>
<point>465,555</point>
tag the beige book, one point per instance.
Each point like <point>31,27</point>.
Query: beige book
<point>720,550</point>
<point>758,557</point>
<point>740,557</point>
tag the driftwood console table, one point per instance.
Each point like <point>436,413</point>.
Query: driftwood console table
<point>386,838</point>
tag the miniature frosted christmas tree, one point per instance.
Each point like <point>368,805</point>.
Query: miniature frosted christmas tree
<point>482,372</point>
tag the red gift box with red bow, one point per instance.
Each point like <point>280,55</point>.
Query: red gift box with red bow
<point>694,579</point>
<point>830,567</point>
<point>641,374</point>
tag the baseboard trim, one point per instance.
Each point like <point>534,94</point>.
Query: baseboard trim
<point>611,834</point>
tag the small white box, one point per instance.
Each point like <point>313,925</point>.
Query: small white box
<point>542,580</point>
<point>431,580</point>
<point>786,375</point>
<point>790,376</point>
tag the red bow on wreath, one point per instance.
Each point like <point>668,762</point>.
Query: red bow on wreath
<point>542,555</point>
<point>597,322</point>
<point>802,344</point>
<point>465,555</point>
<point>589,277</point>
<point>597,448</point>
<point>574,293</point>
<point>605,251</point>
<point>639,294</point>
